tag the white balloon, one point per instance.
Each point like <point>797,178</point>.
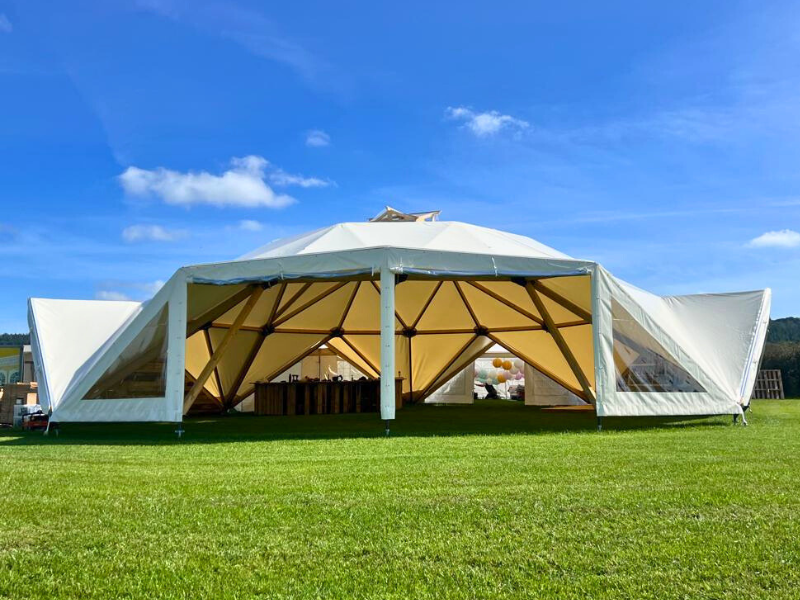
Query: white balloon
<point>519,363</point>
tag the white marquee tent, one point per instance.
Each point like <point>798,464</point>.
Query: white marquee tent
<point>419,300</point>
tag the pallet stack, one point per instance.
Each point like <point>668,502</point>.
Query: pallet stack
<point>769,385</point>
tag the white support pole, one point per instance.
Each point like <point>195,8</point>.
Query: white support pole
<point>387,345</point>
<point>176,346</point>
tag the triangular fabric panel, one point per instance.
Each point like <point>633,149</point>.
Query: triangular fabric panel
<point>410,298</point>
<point>365,312</point>
<point>432,353</point>
<point>492,313</point>
<point>642,364</point>
<point>467,357</point>
<point>197,357</point>
<point>139,371</point>
<point>235,356</point>
<point>540,350</point>
<point>325,313</point>
<point>278,352</point>
<point>446,311</point>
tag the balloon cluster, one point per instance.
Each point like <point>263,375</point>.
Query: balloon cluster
<point>503,370</point>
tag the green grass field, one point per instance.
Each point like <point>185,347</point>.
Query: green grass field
<point>492,500</point>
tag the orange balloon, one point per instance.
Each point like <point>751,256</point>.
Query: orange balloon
<point>501,378</point>
<point>497,363</point>
<point>507,364</point>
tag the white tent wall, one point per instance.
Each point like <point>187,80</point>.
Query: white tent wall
<point>540,390</point>
<point>457,390</point>
<point>669,321</point>
<point>74,407</point>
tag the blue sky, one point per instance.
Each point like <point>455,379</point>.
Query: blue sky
<point>138,136</point>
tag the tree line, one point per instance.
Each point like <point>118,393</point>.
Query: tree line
<point>782,351</point>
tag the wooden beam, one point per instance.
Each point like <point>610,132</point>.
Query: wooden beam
<point>426,305</point>
<point>191,378</point>
<point>449,364</point>
<point>508,303</point>
<point>558,298</point>
<point>191,396</point>
<point>361,355</point>
<point>290,301</point>
<point>217,311</point>
<point>210,347</point>
<point>464,300</point>
<point>282,318</point>
<point>230,397</point>
<point>456,367</point>
<point>349,305</point>
<point>552,329</point>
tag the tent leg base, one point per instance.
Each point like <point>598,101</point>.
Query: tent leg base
<point>599,423</point>
<point>179,431</point>
<point>386,431</point>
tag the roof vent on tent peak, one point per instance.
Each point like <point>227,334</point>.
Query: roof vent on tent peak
<point>392,215</point>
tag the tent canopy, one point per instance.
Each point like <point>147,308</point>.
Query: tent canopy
<point>418,300</point>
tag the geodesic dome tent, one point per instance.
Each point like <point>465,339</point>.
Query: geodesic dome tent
<point>415,300</point>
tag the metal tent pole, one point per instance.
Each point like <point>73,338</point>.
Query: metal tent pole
<point>387,346</point>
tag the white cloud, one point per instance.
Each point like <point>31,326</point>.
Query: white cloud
<point>111,295</point>
<point>5,24</point>
<point>484,124</point>
<point>250,225</point>
<point>244,184</point>
<point>138,291</point>
<point>153,233</point>
<point>785,238</point>
<point>281,178</point>
<point>316,138</point>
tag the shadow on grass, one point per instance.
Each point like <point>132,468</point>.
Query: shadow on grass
<point>482,418</point>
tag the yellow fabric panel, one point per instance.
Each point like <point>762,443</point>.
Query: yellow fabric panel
<point>577,289</point>
<point>235,356</point>
<point>347,353</point>
<point>514,293</point>
<point>476,348</point>
<point>370,347</point>
<point>579,339</point>
<point>493,313</point>
<point>291,301</point>
<point>196,359</point>
<point>539,349</point>
<point>446,311</point>
<point>278,352</point>
<point>202,297</point>
<point>430,354</point>
<point>365,313</point>
<point>325,313</point>
<point>260,313</point>
<point>558,313</point>
<point>410,297</point>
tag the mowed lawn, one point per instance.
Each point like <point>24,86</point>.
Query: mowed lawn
<point>492,500</point>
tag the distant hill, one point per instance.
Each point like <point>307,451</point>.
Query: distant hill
<point>784,330</point>
<point>14,339</point>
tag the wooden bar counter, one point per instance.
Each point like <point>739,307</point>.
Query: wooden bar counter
<point>321,397</point>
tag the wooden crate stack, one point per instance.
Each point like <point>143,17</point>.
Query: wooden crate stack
<point>769,385</point>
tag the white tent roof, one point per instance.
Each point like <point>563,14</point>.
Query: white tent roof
<point>441,236</point>
<point>460,289</point>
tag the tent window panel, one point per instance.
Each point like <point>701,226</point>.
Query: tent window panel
<point>140,370</point>
<point>641,363</point>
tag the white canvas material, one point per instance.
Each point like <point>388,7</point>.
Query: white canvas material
<point>459,289</point>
